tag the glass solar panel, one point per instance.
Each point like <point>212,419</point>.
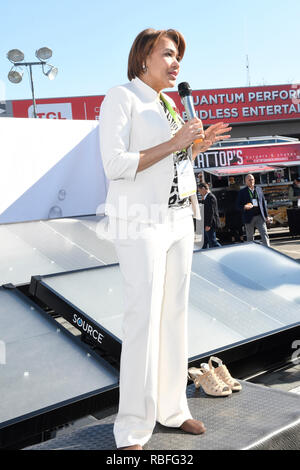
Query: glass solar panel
<point>51,246</point>
<point>96,292</point>
<point>236,292</point>
<point>43,365</point>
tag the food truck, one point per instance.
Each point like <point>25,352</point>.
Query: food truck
<point>274,161</point>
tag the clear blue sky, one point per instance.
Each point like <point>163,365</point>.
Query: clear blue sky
<point>91,40</point>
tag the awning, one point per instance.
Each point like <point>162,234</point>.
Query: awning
<point>240,170</point>
<point>285,164</point>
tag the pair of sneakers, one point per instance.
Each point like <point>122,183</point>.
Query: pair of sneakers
<point>215,381</point>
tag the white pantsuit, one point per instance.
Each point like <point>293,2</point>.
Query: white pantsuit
<point>155,261</point>
<point>153,376</point>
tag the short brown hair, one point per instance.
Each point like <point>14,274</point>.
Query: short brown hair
<point>203,186</point>
<point>143,45</point>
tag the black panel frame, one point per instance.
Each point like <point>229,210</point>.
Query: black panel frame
<point>263,352</point>
<point>38,288</point>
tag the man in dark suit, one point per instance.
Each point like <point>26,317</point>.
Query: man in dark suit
<point>211,216</point>
<point>252,203</point>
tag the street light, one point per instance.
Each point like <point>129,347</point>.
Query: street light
<point>15,74</point>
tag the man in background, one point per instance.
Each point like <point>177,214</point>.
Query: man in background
<point>294,192</point>
<point>233,216</point>
<point>252,203</point>
<point>211,216</point>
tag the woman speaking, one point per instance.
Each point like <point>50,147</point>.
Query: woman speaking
<point>147,152</point>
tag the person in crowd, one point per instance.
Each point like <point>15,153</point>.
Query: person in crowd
<point>233,184</point>
<point>294,191</point>
<point>233,216</point>
<point>252,203</point>
<point>211,216</point>
<point>147,152</point>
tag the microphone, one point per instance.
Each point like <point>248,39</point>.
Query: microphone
<point>185,94</point>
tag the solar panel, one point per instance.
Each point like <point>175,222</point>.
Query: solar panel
<point>42,365</point>
<point>243,290</point>
<point>236,293</point>
<point>50,246</point>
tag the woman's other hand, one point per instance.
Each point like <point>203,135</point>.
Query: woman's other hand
<point>213,134</point>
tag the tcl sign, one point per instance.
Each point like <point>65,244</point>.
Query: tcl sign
<point>78,107</point>
<point>52,111</point>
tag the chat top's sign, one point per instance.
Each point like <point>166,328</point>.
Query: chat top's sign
<point>249,155</point>
<point>233,105</point>
<point>242,105</point>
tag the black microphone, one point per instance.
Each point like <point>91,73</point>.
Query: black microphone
<point>185,94</point>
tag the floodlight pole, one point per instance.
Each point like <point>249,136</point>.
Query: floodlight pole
<point>30,64</point>
<point>32,90</point>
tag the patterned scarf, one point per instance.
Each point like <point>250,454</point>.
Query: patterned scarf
<point>174,200</point>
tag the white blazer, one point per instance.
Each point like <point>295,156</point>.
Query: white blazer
<point>131,120</point>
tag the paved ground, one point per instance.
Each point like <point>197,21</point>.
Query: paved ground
<point>287,245</point>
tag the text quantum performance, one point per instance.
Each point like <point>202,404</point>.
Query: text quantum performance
<point>243,105</point>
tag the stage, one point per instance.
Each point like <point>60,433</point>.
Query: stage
<point>60,317</point>
<point>254,419</point>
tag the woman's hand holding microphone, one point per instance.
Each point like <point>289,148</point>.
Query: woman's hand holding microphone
<point>187,134</point>
<point>192,133</point>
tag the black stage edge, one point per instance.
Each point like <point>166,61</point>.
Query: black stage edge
<point>14,434</point>
<point>30,427</point>
<point>260,353</point>
<point>93,333</point>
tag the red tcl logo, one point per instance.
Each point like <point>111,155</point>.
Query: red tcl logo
<point>52,111</point>
<point>50,115</point>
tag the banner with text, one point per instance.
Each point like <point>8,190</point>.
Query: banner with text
<point>241,105</point>
<point>249,155</point>
<point>234,105</point>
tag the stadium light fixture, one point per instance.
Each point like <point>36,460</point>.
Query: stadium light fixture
<point>44,53</point>
<point>15,55</point>
<point>51,72</point>
<point>15,74</point>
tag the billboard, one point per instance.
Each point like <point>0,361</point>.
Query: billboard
<point>233,105</point>
<point>245,105</point>
<point>249,155</point>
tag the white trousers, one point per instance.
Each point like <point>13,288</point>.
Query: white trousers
<point>156,268</point>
